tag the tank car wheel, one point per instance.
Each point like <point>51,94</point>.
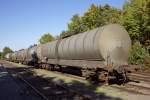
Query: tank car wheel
<point>60,68</point>
<point>125,78</point>
<point>51,67</point>
<point>121,75</point>
<point>103,77</point>
<point>47,66</point>
<point>90,79</point>
<point>90,75</point>
<point>43,66</point>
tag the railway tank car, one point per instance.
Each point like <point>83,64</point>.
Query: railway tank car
<point>25,56</point>
<point>99,53</point>
<point>14,56</point>
<point>19,55</point>
<point>28,56</point>
<point>31,55</point>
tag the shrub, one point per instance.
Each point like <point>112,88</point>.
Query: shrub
<point>139,55</point>
<point>147,61</point>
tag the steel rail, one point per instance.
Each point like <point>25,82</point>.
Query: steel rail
<point>31,86</point>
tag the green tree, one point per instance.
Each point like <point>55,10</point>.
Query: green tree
<point>94,17</point>
<point>75,26</point>
<point>111,14</point>
<point>98,16</point>
<point>139,55</point>
<point>136,19</point>
<point>46,38</point>
<point>64,34</point>
<point>1,55</point>
<point>6,50</point>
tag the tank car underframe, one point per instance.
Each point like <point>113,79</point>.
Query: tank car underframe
<point>92,70</point>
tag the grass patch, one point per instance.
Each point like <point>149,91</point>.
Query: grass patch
<point>16,64</point>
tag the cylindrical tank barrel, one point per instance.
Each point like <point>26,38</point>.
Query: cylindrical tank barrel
<point>8,56</point>
<point>108,43</point>
<point>31,53</point>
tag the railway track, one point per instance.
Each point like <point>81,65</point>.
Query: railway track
<point>124,88</point>
<point>17,75</point>
<point>46,89</point>
<point>138,78</point>
<point>140,87</point>
<point>70,75</point>
<point>139,83</point>
<point>36,90</point>
<point>143,73</point>
<point>140,75</point>
<point>131,88</point>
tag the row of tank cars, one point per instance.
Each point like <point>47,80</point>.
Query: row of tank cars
<point>99,55</point>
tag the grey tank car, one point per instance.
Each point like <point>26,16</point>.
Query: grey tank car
<point>100,54</point>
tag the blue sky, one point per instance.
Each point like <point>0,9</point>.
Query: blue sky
<point>23,22</point>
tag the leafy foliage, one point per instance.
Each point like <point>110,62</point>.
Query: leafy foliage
<point>46,38</point>
<point>136,19</point>
<point>5,51</point>
<point>76,25</point>
<point>138,54</point>
<point>96,16</point>
<point>1,55</point>
<point>147,61</point>
<point>32,46</point>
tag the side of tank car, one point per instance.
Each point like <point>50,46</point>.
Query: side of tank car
<point>32,55</point>
<point>14,56</point>
<point>19,56</point>
<point>101,53</point>
<point>28,56</point>
<point>25,56</point>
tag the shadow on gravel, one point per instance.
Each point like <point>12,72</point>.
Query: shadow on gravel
<point>51,87</point>
<point>11,90</point>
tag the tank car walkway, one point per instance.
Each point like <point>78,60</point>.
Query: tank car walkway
<point>9,89</point>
